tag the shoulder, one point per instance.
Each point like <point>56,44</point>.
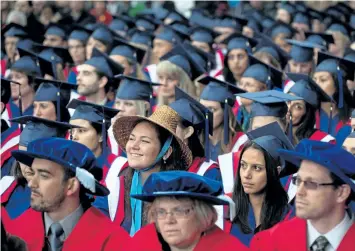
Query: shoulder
<point>145,239</point>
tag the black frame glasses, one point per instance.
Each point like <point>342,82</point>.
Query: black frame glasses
<point>310,185</point>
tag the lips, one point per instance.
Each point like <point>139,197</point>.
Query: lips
<point>248,184</point>
<point>301,203</point>
<point>136,155</point>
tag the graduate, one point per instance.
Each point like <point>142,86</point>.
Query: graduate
<point>302,23</point>
<point>94,78</point>
<point>285,12</point>
<point>186,197</point>
<point>94,121</point>
<point>5,97</point>
<point>15,197</point>
<point>55,35</point>
<point>331,74</point>
<point>101,38</point>
<point>151,145</point>
<point>279,32</point>
<point>324,189</point>
<point>260,199</point>
<point>65,174</point>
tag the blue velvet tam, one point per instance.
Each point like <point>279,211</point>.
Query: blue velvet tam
<point>182,184</point>
<point>302,18</point>
<point>58,55</point>
<point>69,154</point>
<point>287,7</point>
<point>92,112</point>
<point>321,39</point>
<point>168,33</point>
<point>302,51</point>
<point>126,49</point>
<point>337,160</point>
<point>271,138</point>
<point>14,30</point>
<point>56,30</point>
<point>305,87</point>
<point>104,64</point>
<point>228,21</point>
<point>202,34</point>
<point>281,28</point>
<point>37,128</point>
<point>269,103</point>
<point>134,89</point>
<point>6,89</point>
<point>142,37</point>
<point>180,57</point>
<point>80,33</point>
<point>103,34</point>
<point>195,113</point>
<point>239,41</point>
<point>264,73</point>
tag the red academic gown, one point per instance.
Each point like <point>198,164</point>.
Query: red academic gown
<point>94,231</point>
<point>6,192</point>
<point>215,240</point>
<point>292,236</point>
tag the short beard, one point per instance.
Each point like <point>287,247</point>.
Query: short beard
<point>88,90</point>
<point>46,206</point>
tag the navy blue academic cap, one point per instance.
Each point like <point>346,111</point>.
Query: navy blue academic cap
<point>288,7</point>
<point>305,87</point>
<point>182,184</point>
<point>302,51</point>
<point>237,23</point>
<point>27,64</point>
<point>342,27</point>
<point>254,25</point>
<point>182,58</point>
<point>142,37</point>
<point>128,50</point>
<point>220,91</point>
<point>58,55</point>
<point>267,22</point>
<point>204,59</point>
<point>26,43</point>
<point>181,27</point>
<point>147,23</point>
<point>80,33</point>
<point>350,56</point>
<point>37,128</point>
<point>202,34</point>
<point>171,35</point>
<point>281,28</point>
<point>122,23</point>
<point>264,73</point>
<point>6,89</point>
<point>271,138</point>
<point>103,34</point>
<point>239,41</point>
<point>266,45</point>
<point>322,39</point>
<point>56,29</point>
<point>176,16</point>
<point>269,103</point>
<point>48,89</point>
<point>14,30</point>
<point>302,17</point>
<point>104,64</point>
<point>134,89</point>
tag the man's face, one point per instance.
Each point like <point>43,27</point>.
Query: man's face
<point>53,40</point>
<point>303,68</point>
<point>48,190</point>
<point>87,80</point>
<point>161,47</point>
<point>10,47</point>
<point>25,87</point>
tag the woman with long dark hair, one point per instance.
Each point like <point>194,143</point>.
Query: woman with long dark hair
<point>261,201</point>
<point>331,74</point>
<point>301,116</point>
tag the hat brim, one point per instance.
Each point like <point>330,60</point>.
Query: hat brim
<point>27,157</point>
<point>123,127</point>
<point>214,200</point>
<point>296,159</point>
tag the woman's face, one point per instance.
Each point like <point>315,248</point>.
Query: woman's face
<point>143,146</point>
<point>217,110</point>
<point>77,51</point>
<point>260,121</point>
<point>325,81</point>
<point>25,87</point>
<point>168,83</point>
<point>44,110</point>
<point>250,85</point>
<point>121,60</point>
<point>176,221</point>
<point>237,61</point>
<point>86,135</point>
<point>92,42</point>
<point>297,109</point>
<point>126,107</point>
<point>253,171</point>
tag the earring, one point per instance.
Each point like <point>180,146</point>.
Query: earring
<point>164,160</point>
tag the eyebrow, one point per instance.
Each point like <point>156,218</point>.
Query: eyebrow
<point>44,171</point>
<point>258,164</point>
<point>141,136</point>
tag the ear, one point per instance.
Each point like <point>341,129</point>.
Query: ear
<point>2,107</point>
<point>188,132</point>
<point>278,169</point>
<point>343,194</point>
<point>168,153</point>
<point>73,186</point>
<point>101,138</point>
<point>103,81</point>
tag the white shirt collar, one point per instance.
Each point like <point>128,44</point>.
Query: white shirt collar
<point>334,236</point>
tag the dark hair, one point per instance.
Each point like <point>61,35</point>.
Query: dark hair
<point>227,73</point>
<point>108,84</point>
<point>345,111</point>
<point>64,113</point>
<point>275,201</point>
<point>194,142</point>
<point>11,242</point>
<point>337,183</point>
<point>306,124</point>
<point>17,173</point>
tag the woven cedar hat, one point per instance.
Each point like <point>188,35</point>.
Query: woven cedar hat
<point>164,117</point>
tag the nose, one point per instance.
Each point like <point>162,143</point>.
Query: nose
<point>32,182</point>
<point>37,112</point>
<point>247,173</point>
<point>301,191</point>
<point>74,135</point>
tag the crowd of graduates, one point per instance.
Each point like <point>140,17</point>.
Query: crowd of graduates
<point>134,126</point>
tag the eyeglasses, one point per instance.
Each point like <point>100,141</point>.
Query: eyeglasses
<point>178,213</point>
<point>310,185</point>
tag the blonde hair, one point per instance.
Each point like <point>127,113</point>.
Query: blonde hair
<point>184,81</point>
<point>206,214</point>
<point>141,107</point>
